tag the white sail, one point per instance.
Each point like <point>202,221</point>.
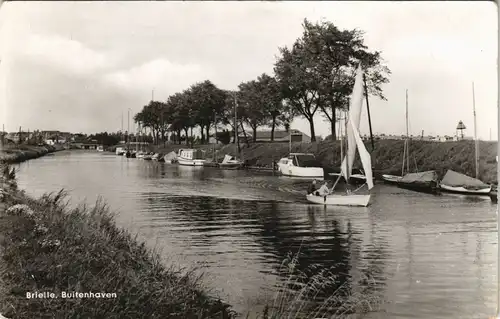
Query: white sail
<point>366,160</point>
<point>355,107</point>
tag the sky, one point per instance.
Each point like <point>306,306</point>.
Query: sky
<point>78,66</point>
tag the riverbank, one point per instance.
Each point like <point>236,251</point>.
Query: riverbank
<point>19,153</point>
<point>386,157</point>
<point>48,248</point>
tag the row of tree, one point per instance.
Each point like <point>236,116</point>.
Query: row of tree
<point>315,75</point>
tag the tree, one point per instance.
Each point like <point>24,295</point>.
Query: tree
<point>208,103</point>
<point>327,58</point>
<point>294,72</point>
<point>253,105</point>
<point>269,108</point>
<point>180,113</point>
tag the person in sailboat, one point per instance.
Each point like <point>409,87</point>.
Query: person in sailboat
<point>323,190</point>
<point>312,187</point>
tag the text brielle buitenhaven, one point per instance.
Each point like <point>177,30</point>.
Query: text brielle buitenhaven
<point>70,295</point>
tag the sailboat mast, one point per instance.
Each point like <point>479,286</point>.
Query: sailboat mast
<point>235,125</point>
<point>341,137</point>
<point>407,137</point>
<point>476,142</point>
<point>347,148</point>
<point>128,130</point>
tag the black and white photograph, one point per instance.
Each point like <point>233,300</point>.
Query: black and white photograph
<point>248,159</point>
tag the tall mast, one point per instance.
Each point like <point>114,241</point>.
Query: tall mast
<point>235,124</point>
<point>128,130</point>
<point>341,137</point>
<point>290,138</point>
<point>476,156</point>
<point>347,147</point>
<point>407,137</point>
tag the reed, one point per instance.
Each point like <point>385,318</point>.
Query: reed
<point>295,296</point>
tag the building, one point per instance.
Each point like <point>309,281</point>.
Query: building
<point>280,136</point>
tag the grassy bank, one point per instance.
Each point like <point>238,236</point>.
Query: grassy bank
<point>47,247</point>
<point>20,153</point>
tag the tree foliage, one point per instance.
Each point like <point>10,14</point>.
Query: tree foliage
<point>318,71</point>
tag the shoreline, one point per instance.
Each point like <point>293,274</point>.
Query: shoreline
<point>14,154</point>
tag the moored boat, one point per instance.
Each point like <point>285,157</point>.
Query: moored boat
<point>100,148</point>
<point>158,157</point>
<point>458,183</point>
<point>119,151</point>
<point>190,157</point>
<point>148,156</point>
<point>170,158</point>
<point>424,182</point>
<point>391,179</point>
<point>301,165</point>
<point>230,162</point>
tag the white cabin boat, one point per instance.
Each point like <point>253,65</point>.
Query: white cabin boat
<point>190,157</point>
<point>301,165</point>
<point>100,148</point>
<point>454,182</point>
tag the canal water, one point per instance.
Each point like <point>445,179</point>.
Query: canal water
<point>412,255</point>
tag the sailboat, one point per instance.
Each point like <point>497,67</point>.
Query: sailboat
<point>458,183</point>
<point>231,162</point>
<point>426,182</point>
<point>351,198</point>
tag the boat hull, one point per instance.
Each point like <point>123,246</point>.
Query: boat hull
<point>354,200</point>
<point>428,188</point>
<point>230,165</point>
<point>391,179</point>
<point>190,162</point>
<point>465,191</point>
<point>309,172</point>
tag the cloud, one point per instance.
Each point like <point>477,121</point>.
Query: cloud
<point>158,74</point>
<point>62,53</point>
